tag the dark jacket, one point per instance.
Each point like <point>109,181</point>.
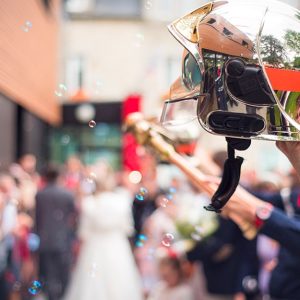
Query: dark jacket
<point>285,280</point>
<point>224,276</point>
<point>55,218</point>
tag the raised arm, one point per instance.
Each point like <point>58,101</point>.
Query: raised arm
<point>292,152</point>
<point>266,218</point>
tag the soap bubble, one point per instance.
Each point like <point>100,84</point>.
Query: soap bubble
<point>61,90</point>
<point>92,124</point>
<point>148,4</point>
<point>65,139</point>
<point>172,190</point>
<point>167,239</point>
<point>250,284</point>
<point>35,287</point>
<point>33,241</point>
<point>140,240</point>
<point>135,177</point>
<point>27,26</point>
<point>143,191</point>
<point>141,195</point>
<point>93,270</point>
<point>198,229</point>
<point>196,236</point>
<point>91,177</point>
<point>163,201</point>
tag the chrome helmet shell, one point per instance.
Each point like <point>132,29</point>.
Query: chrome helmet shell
<point>240,70</point>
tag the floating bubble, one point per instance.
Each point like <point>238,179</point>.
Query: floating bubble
<point>139,197</point>
<point>199,229</point>
<point>98,86</point>
<point>140,240</point>
<point>169,196</point>
<point>35,287</point>
<point>33,241</point>
<point>139,244</point>
<point>135,177</point>
<point>148,4</point>
<point>250,284</point>
<point>167,239</point>
<point>163,201</point>
<point>139,40</point>
<point>143,191</point>
<point>65,139</point>
<point>61,90</point>
<point>27,26</point>
<point>142,237</point>
<point>94,270</point>
<point>92,124</point>
<point>196,236</point>
<point>172,190</point>
<point>92,177</point>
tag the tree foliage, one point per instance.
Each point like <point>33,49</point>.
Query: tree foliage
<point>292,39</point>
<point>272,50</point>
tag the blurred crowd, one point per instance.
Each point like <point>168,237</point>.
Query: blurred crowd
<point>78,232</point>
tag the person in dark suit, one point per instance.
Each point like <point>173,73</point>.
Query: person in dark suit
<point>269,218</point>
<point>228,259</point>
<point>55,215</point>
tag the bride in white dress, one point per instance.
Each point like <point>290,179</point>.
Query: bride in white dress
<point>105,268</point>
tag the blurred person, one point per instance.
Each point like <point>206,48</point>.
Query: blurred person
<point>55,213</point>
<point>9,220</point>
<point>15,226</point>
<point>28,181</point>
<point>3,252</point>
<point>73,174</point>
<point>105,268</point>
<point>267,250</point>
<point>28,164</point>
<point>178,208</point>
<point>143,209</point>
<point>193,272</point>
<point>172,285</point>
<point>159,223</point>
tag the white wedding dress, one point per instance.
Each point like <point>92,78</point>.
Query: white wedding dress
<point>105,269</point>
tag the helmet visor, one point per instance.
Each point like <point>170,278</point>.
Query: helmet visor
<point>184,94</point>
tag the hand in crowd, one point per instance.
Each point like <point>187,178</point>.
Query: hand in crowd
<point>292,152</point>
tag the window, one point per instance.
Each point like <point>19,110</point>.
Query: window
<point>227,32</point>
<point>104,8</point>
<point>118,7</point>
<point>245,44</point>
<point>211,21</point>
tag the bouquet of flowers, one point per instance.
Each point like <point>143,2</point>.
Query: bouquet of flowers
<point>193,223</point>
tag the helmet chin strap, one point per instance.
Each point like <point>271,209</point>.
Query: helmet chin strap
<point>231,174</point>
